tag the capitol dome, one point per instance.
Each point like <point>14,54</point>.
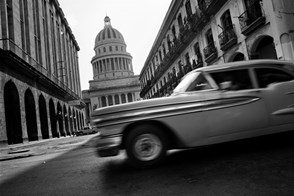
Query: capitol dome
<point>111,58</point>
<point>108,35</point>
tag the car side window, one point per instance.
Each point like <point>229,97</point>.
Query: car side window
<point>267,76</point>
<point>233,80</point>
<point>200,83</point>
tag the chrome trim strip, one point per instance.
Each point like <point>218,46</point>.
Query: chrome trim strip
<point>285,111</point>
<point>290,93</point>
<point>144,107</point>
<point>173,110</point>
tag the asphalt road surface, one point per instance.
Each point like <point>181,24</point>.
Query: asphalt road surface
<point>263,166</point>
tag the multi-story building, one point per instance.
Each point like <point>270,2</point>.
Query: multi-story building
<point>198,33</point>
<point>39,72</point>
<point>113,81</point>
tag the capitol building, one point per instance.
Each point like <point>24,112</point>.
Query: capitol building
<point>113,81</point>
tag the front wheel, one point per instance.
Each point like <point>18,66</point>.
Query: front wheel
<point>146,146</point>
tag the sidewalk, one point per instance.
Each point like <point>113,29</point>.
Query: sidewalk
<point>41,147</point>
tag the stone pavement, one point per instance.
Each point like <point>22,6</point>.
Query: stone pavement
<point>41,147</point>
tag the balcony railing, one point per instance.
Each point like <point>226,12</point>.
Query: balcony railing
<point>210,53</point>
<point>227,38</point>
<point>210,6</point>
<point>197,63</point>
<point>251,19</point>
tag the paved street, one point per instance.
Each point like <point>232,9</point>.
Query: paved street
<point>263,166</point>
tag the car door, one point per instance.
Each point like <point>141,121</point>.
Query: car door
<point>277,88</point>
<point>237,110</point>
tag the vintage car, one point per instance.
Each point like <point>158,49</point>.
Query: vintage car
<point>212,104</point>
<point>86,131</point>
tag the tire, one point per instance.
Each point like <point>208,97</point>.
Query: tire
<point>146,146</point>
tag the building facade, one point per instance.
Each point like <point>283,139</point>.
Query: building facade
<point>39,73</point>
<point>198,33</point>
<point>113,81</point>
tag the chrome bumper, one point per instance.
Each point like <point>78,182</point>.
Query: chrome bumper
<point>108,146</point>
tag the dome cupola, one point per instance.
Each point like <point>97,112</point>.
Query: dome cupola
<point>111,58</point>
<point>108,35</point>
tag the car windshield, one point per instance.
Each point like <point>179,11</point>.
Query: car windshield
<point>186,82</point>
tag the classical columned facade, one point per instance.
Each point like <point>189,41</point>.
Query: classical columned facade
<point>113,81</point>
<point>115,99</point>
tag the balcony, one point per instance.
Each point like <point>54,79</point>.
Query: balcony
<point>210,7</point>
<point>197,21</point>
<point>198,63</point>
<point>210,53</point>
<point>251,19</point>
<point>227,39</point>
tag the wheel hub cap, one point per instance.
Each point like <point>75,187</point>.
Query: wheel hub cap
<point>147,147</point>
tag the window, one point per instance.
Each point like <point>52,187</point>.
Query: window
<point>116,99</point>
<point>37,33</point>
<point>168,42</point>
<point>267,76</point>
<point>110,101</point>
<point>200,83</point>
<point>188,8</point>
<point>110,48</point>
<point>226,20</point>
<point>123,98</point>
<point>180,20</point>
<point>187,57</point>
<point>209,37</point>
<point>174,32</point>
<point>233,80</point>
<point>163,49</point>
<point>103,100</point>
<point>130,98</point>
<point>160,56</point>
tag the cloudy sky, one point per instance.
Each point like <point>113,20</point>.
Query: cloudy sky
<point>138,20</point>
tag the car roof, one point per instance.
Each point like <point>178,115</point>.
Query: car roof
<point>243,64</point>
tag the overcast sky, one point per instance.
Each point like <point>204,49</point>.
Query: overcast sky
<point>138,21</point>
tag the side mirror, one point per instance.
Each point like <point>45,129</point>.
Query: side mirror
<point>226,85</point>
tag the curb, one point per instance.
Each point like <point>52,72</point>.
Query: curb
<point>41,147</point>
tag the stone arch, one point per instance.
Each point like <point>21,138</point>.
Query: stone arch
<point>60,119</point>
<point>238,56</point>
<point>53,119</point>
<point>43,117</point>
<point>263,48</point>
<point>31,117</point>
<point>65,116</point>
<point>12,114</point>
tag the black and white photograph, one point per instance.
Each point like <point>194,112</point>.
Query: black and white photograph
<point>145,98</point>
